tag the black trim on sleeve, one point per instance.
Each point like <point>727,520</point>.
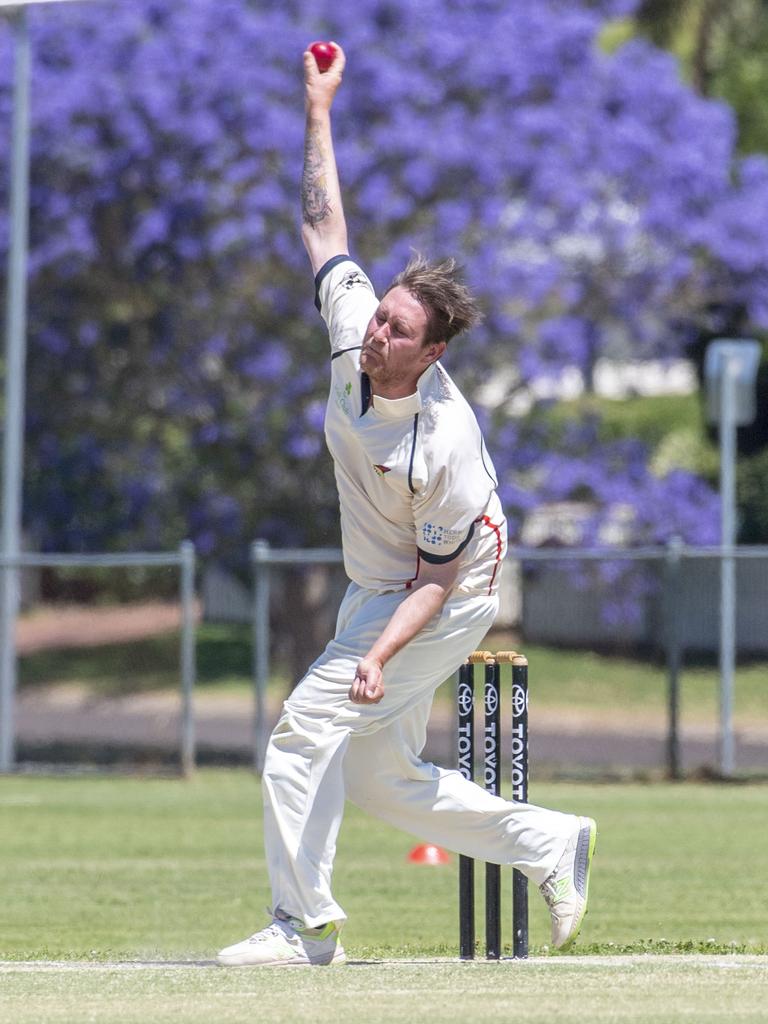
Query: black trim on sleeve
<point>442,559</point>
<point>323,272</point>
<point>413,452</point>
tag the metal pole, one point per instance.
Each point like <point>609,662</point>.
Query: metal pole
<point>672,645</point>
<point>188,659</point>
<point>727,562</point>
<point>261,580</point>
<point>15,370</point>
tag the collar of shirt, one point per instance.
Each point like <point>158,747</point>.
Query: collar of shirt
<point>398,408</point>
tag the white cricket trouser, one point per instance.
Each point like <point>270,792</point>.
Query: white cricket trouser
<point>325,749</point>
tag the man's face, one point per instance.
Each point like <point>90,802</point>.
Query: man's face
<point>394,355</point>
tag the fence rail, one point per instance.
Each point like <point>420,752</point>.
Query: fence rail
<point>669,620</point>
<point>670,558</point>
<point>660,554</point>
<point>184,559</point>
<point>106,561</point>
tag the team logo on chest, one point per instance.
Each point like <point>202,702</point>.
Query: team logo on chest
<point>381,470</point>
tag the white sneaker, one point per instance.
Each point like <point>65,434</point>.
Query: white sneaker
<point>286,943</point>
<point>567,888</point>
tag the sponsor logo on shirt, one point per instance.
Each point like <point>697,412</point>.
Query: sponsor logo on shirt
<point>381,470</point>
<point>343,397</point>
<point>438,536</point>
<point>353,278</point>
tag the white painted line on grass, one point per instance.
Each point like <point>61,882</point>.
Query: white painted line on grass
<point>8,966</point>
<point>714,962</point>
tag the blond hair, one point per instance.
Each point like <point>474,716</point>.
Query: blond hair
<point>450,306</point>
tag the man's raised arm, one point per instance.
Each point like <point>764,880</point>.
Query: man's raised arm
<point>323,230</point>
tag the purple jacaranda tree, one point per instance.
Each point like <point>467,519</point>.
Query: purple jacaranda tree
<point>177,367</point>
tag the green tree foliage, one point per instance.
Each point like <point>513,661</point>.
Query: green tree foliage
<point>723,46</point>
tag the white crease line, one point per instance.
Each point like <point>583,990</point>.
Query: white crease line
<point>639,960</point>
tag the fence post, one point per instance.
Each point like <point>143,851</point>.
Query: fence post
<point>9,581</point>
<point>261,582</point>
<point>14,387</point>
<point>188,656</point>
<point>672,647</point>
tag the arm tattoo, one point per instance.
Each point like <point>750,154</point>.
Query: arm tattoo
<point>314,195</point>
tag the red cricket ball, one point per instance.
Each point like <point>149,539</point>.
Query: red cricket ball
<point>324,54</point>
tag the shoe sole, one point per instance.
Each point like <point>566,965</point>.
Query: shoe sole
<point>339,957</point>
<point>590,854</point>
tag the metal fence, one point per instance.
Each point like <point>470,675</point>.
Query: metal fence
<point>671,599</point>
<point>184,560</point>
<point>667,601</point>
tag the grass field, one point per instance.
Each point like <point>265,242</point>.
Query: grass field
<point>652,991</point>
<point>98,871</point>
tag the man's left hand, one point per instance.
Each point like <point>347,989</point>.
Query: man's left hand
<point>368,687</point>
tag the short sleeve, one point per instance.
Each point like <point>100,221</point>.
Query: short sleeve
<point>458,486</point>
<point>445,517</point>
<point>346,301</point>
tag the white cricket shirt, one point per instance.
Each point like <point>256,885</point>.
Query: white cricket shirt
<point>414,479</point>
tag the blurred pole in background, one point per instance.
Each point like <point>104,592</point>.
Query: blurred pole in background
<point>261,589</point>
<point>15,374</point>
<point>15,365</point>
<point>727,563</point>
<point>730,373</point>
<point>672,612</point>
<point>188,656</point>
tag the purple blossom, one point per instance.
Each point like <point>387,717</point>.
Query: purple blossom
<point>304,446</point>
<point>268,365</point>
<point>595,200</point>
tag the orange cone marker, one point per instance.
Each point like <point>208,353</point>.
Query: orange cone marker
<point>428,853</point>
